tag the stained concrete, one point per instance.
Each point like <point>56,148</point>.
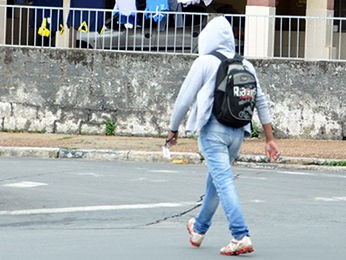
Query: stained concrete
<point>76,91</point>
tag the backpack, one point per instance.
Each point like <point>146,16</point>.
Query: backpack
<point>235,92</point>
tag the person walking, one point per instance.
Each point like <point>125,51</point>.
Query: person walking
<point>219,144</point>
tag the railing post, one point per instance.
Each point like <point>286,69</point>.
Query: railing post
<point>63,41</point>
<point>3,22</point>
<point>319,30</point>
<point>259,28</point>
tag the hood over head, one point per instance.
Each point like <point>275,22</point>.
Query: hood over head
<point>216,35</point>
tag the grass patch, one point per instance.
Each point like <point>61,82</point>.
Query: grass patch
<point>182,143</point>
<point>334,163</point>
<point>66,138</point>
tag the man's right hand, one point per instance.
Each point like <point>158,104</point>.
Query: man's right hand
<point>272,151</point>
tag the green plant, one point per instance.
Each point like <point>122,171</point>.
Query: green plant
<point>16,130</point>
<point>110,127</point>
<point>42,131</point>
<point>66,138</point>
<point>334,163</point>
<point>254,130</point>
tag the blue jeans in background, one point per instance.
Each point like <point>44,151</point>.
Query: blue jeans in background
<point>220,146</point>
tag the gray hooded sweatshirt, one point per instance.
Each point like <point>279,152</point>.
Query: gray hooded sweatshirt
<point>197,90</point>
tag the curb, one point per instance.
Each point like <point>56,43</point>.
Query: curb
<point>34,152</point>
<point>287,160</point>
<point>177,158</point>
<point>127,155</point>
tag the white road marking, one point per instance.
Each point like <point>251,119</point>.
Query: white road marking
<point>164,171</point>
<point>253,178</point>
<point>138,179</point>
<point>335,176</point>
<point>25,184</point>
<point>257,201</point>
<point>342,176</point>
<point>96,208</point>
<point>159,181</point>
<point>89,174</point>
<point>296,173</point>
<point>331,199</point>
<point>149,180</point>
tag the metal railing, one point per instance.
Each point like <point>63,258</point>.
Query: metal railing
<point>301,37</point>
<point>293,37</point>
<point>175,33</point>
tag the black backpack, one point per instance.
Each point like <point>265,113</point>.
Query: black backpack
<point>235,92</point>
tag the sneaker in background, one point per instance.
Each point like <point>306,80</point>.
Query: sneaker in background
<point>195,238</point>
<point>237,247</point>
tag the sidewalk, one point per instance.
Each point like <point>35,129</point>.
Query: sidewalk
<point>301,152</point>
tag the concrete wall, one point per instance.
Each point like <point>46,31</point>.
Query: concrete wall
<point>75,91</point>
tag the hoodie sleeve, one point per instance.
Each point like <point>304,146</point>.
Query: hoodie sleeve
<point>188,93</point>
<point>262,107</point>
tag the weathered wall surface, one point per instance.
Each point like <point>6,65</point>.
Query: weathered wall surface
<point>307,99</point>
<point>70,91</point>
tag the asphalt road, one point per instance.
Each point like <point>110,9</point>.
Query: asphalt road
<point>78,209</point>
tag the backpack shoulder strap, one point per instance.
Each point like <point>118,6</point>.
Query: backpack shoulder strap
<point>222,57</point>
<point>238,57</point>
<point>219,55</point>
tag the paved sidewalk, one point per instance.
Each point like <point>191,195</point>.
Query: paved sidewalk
<point>294,152</point>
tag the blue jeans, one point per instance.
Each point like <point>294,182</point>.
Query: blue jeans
<point>220,146</point>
